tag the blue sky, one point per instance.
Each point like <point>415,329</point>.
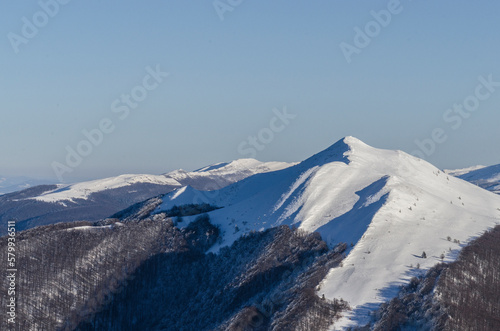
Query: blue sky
<point>231,70</point>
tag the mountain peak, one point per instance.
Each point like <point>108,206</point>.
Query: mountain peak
<point>337,152</point>
<point>353,141</point>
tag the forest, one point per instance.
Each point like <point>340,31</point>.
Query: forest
<point>135,273</point>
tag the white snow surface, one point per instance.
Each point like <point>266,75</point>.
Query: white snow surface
<point>219,175</point>
<point>93,228</point>
<point>83,190</point>
<point>211,177</point>
<point>388,204</point>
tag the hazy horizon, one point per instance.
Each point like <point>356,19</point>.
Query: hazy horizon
<point>93,90</point>
<point>113,174</point>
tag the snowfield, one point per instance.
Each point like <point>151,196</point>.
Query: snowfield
<point>388,205</point>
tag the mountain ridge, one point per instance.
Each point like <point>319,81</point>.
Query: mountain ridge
<point>395,215</point>
<point>369,197</point>
<point>98,199</point>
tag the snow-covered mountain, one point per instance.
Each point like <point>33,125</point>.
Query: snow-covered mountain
<point>207,178</point>
<point>220,175</point>
<point>97,199</point>
<point>399,216</point>
<point>486,177</point>
<point>388,205</point>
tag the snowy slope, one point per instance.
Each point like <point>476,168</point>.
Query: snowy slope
<point>391,206</point>
<point>208,178</point>
<point>486,177</point>
<point>222,174</point>
<point>83,190</point>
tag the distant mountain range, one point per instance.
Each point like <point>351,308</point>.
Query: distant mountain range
<point>36,202</point>
<point>97,199</point>
<point>486,177</point>
<point>374,218</point>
